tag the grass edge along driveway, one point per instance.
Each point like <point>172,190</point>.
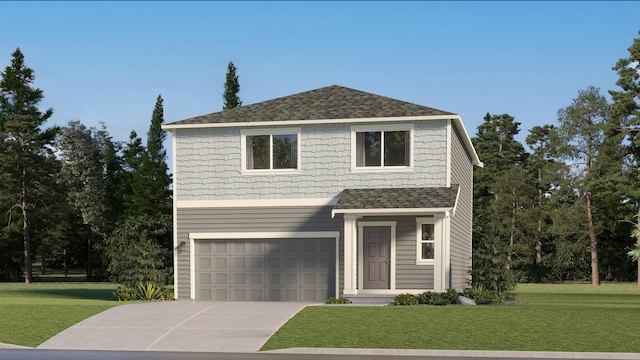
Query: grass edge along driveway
<point>555,317</point>
<point>33,313</point>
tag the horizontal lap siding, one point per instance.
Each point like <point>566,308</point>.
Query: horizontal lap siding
<point>258,219</point>
<point>461,222</point>
<point>408,274</point>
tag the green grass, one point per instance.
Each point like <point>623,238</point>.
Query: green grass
<point>31,314</point>
<point>555,317</point>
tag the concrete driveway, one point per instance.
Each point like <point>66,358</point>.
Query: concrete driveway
<point>178,326</point>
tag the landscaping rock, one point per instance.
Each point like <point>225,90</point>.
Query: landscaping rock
<point>465,301</point>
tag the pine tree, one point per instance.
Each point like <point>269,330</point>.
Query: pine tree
<point>231,89</point>
<point>545,172</point>
<point>500,191</point>
<point>625,112</point>
<point>24,147</point>
<point>150,181</point>
<point>582,133</point>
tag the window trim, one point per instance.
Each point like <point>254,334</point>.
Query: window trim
<point>437,233</point>
<point>382,128</point>
<point>270,132</point>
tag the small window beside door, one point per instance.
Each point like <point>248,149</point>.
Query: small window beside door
<point>426,241</point>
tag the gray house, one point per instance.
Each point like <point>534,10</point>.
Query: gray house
<point>326,193</point>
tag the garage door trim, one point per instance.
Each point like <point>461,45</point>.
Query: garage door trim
<point>193,237</point>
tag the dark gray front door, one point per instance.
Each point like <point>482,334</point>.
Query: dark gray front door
<point>377,257</point>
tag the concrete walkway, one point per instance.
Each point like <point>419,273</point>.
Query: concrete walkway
<point>178,326</point>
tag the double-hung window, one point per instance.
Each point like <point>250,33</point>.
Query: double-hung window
<point>386,147</point>
<point>276,150</point>
<point>426,240</point>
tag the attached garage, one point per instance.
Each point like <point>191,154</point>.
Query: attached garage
<point>269,268</point>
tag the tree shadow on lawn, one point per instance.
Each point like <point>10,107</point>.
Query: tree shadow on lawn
<point>615,299</point>
<point>80,294</point>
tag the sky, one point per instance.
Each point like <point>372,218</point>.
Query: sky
<point>108,61</point>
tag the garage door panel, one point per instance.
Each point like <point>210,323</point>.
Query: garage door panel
<point>265,270</point>
<point>273,263</point>
<point>221,263</point>
<point>255,263</point>
<point>218,248</point>
<point>221,279</point>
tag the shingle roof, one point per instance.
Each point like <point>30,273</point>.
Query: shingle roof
<point>331,102</point>
<point>398,198</point>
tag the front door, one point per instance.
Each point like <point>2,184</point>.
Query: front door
<point>377,257</point>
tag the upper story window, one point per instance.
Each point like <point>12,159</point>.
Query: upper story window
<point>276,150</point>
<point>388,147</point>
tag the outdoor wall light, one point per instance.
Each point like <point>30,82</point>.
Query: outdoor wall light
<point>180,246</point>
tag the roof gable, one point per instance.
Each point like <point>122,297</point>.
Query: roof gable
<point>327,103</point>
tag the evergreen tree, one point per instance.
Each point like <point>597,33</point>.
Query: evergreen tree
<point>148,171</point>
<point>24,147</point>
<point>138,251</point>
<point>582,133</point>
<point>231,89</point>
<point>545,172</point>
<point>83,153</point>
<point>500,192</point>
<point>625,113</point>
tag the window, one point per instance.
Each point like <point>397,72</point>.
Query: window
<point>277,151</point>
<point>381,147</point>
<point>426,241</point>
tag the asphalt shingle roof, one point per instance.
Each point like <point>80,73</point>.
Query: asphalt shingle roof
<point>331,102</point>
<point>398,198</point>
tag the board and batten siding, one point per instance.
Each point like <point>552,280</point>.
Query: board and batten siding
<point>208,164</point>
<point>461,222</point>
<point>257,219</point>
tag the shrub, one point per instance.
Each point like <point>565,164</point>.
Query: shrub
<point>484,296</point>
<point>125,293</point>
<point>139,250</point>
<point>434,298</point>
<point>340,300</point>
<point>143,291</point>
<point>405,299</point>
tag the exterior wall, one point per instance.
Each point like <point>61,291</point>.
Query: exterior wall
<point>461,222</point>
<point>408,274</point>
<point>208,164</point>
<point>262,219</point>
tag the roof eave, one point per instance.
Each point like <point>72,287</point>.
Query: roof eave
<point>306,122</point>
<point>457,121</point>
<point>391,211</point>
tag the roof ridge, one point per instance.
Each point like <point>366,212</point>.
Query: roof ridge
<point>329,102</point>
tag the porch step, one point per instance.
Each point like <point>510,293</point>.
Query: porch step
<point>370,299</point>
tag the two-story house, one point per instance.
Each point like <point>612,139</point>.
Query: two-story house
<point>329,192</point>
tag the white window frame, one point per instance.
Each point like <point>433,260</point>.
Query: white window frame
<point>381,128</point>
<point>437,234</point>
<point>270,132</point>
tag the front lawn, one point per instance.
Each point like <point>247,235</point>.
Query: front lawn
<point>31,314</point>
<point>555,317</point>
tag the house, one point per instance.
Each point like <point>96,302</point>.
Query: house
<point>326,193</point>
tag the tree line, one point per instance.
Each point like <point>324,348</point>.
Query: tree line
<point>73,197</point>
<point>566,204</point>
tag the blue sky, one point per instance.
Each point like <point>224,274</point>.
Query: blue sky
<point>108,61</point>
